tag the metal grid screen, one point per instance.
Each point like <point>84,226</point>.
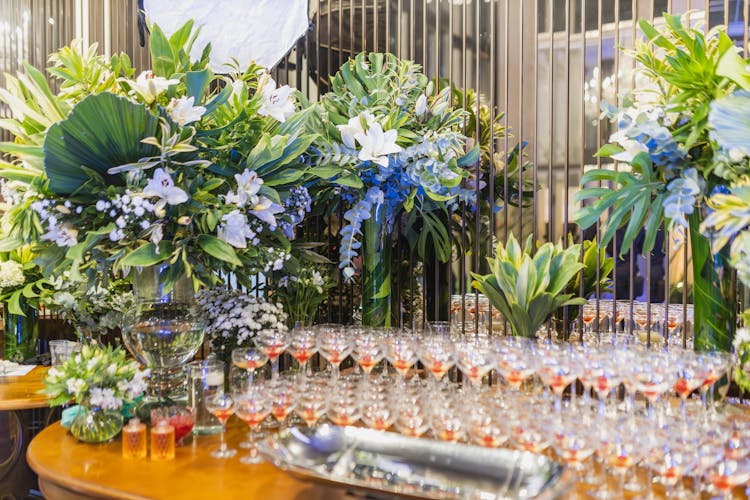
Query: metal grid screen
<point>540,67</point>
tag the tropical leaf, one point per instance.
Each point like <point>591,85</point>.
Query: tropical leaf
<point>101,132</point>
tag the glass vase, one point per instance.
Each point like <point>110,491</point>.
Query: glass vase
<point>21,333</point>
<point>377,248</point>
<point>164,330</point>
<point>714,293</point>
<point>95,425</point>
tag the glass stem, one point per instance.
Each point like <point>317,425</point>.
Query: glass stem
<point>223,445</point>
<point>275,368</point>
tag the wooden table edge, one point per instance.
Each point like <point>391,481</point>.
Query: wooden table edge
<point>71,484</point>
<point>26,404</point>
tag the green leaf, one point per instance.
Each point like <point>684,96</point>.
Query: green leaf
<point>219,249</point>
<point>609,150</point>
<point>162,57</point>
<point>350,180</point>
<point>148,254</point>
<point>101,132</point>
<point>325,172</point>
<point>196,83</point>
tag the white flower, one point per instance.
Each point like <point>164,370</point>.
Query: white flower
<point>11,274</point>
<point>631,146</point>
<point>105,398</point>
<point>75,385</point>
<point>150,87</point>
<point>116,235</point>
<point>355,127</point>
<point>377,144</point>
<point>265,210</point>
<point>421,107</point>
<point>248,185</point>
<point>157,233</point>
<point>277,102</point>
<point>183,112</point>
<point>235,230</point>
<point>63,236</point>
<point>162,185</point>
<point>741,336</point>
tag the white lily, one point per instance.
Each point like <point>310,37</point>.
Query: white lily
<point>277,102</point>
<point>234,229</point>
<point>266,210</point>
<point>183,112</point>
<point>162,186</point>
<point>248,185</point>
<point>355,127</point>
<point>421,107</point>
<point>150,87</point>
<point>377,144</point>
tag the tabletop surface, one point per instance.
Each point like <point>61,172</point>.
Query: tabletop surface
<point>99,471</point>
<point>21,393</point>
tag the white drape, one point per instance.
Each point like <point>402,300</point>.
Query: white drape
<point>246,30</point>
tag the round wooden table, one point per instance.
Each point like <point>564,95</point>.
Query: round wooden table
<point>68,469</point>
<point>21,411</point>
<point>22,393</point>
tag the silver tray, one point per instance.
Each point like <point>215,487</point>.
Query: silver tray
<point>391,464</point>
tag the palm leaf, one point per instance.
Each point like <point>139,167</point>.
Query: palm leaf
<point>101,132</point>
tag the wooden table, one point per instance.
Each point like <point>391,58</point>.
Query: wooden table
<point>21,406</point>
<point>71,470</point>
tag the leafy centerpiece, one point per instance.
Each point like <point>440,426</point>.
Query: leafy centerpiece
<point>391,146</point>
<point>102,380</point>
<point>664,134</point>
<point>528,289</point>
<point>175,178</point>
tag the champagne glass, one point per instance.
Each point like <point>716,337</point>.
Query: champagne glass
<point>487,428</point>
<point>376,411</point>
<point>437,355</point>
<point>728,473</point>
<point>302,347</point>
<point>252,405</point>
<point>222,406</point>
<point>334,345</point>
<point>401,352</point>
<point>411,416</point>
<point>273,344</point>
<point>311,402</point>
<point>573,440</point>
<point>556,371</point>
<point>653,377</point>
<point>446,421</point>
<point>368,352</point>
<point>690,376</point>
<point>343,407</point>
<point>281,398</point>
<point>249,358</point>
<point>475,360</point>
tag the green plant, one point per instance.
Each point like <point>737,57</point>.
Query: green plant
<point>528,290</point>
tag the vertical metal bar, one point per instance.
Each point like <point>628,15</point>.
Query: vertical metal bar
<point>745,21</point>
<point>437,41</point>
<point>551,114</point>
<point>616,77</point>
<point>599,53</point>
<point>521,75</point>
<point>537,135</point>
<point>425,37</point>
<point>388,25</point>
<point>491,164</point>
<point>329,47</point>
<point>581,290</point>
<point>376,25</point>
<point>363,33</point>
<point>412,34</point>
<point>317,52</point>
<point>462,271</point>
<point>506,124</point>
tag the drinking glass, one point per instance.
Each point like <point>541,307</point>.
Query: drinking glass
<point>446,421</point>
<point>368,352</point>
<point>303,346</point>
<point>437,355</point>
<point>334,345</point>
<point>273,344</point>
<point>249,358</point>
<point>475,360</point>
<point>311,401</point>
<point>343,407</point>
<point>573,440</point>
<point>222,406</point>
<point>728,473</point>
<point>401,352</point>
<point>206,379</point>
<point>252,405</point>
<point>376,410</point>
<point>555,368</point>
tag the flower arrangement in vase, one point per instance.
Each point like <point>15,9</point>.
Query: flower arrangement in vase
<point>102,380</point>
<point>664,134</point>
<point>176,165</point>
<point>390,145</point>
<point>301,287</point>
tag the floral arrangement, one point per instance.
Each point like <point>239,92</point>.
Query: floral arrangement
<point>234,318</point>
<point>97,376</point>
<point>742,350</point>
<point>528,290</point>
<point>666,134</point>
<point>21,282</point>
<point>301,288</point>
<point>92,308</point>
<point>175,164</point>
<point>391,145</point>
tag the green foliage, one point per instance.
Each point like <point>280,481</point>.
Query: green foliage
<point>102,131</point>
<point>528,290</point>
<point>636,199</point>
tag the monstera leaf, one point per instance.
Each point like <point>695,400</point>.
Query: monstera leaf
<point>101,132</point>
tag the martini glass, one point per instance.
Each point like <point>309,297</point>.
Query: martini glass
<point>249,358</point>
<point>273,344</point>
<point>368,352</point>
<point>438,356</point>
<point>334,345</point>
<point>302,347</point>
<point>252,405</point>
<point>222,406</point>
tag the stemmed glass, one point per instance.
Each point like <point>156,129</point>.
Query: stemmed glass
<point>716,365</point>
<point>311,401</point>
<point>555,368</point>
<point>249,358</point>
<point>437,355</point>
<point>653,376</point>
<point>334,345</point>
<point>302,347</point>
<point>622,451</point>
<point>728,473</point>
<point>401,352</point>
<point>222,406</point>
<point>446,421</point>
<point>574,441</point>
<point>376,410</point>
<point>514,362</point>
<point>281,398</point>
<point>273,344</point>
<point>475,360</point>
<point>252,405</point>
<point>411,416</point>
<point>368,352</point>
<point>690,376</point>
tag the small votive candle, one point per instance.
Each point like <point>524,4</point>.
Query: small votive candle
<point>162,441</point>
<point>134,439</point>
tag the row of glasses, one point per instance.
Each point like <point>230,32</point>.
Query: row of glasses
<point>621,438</point>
